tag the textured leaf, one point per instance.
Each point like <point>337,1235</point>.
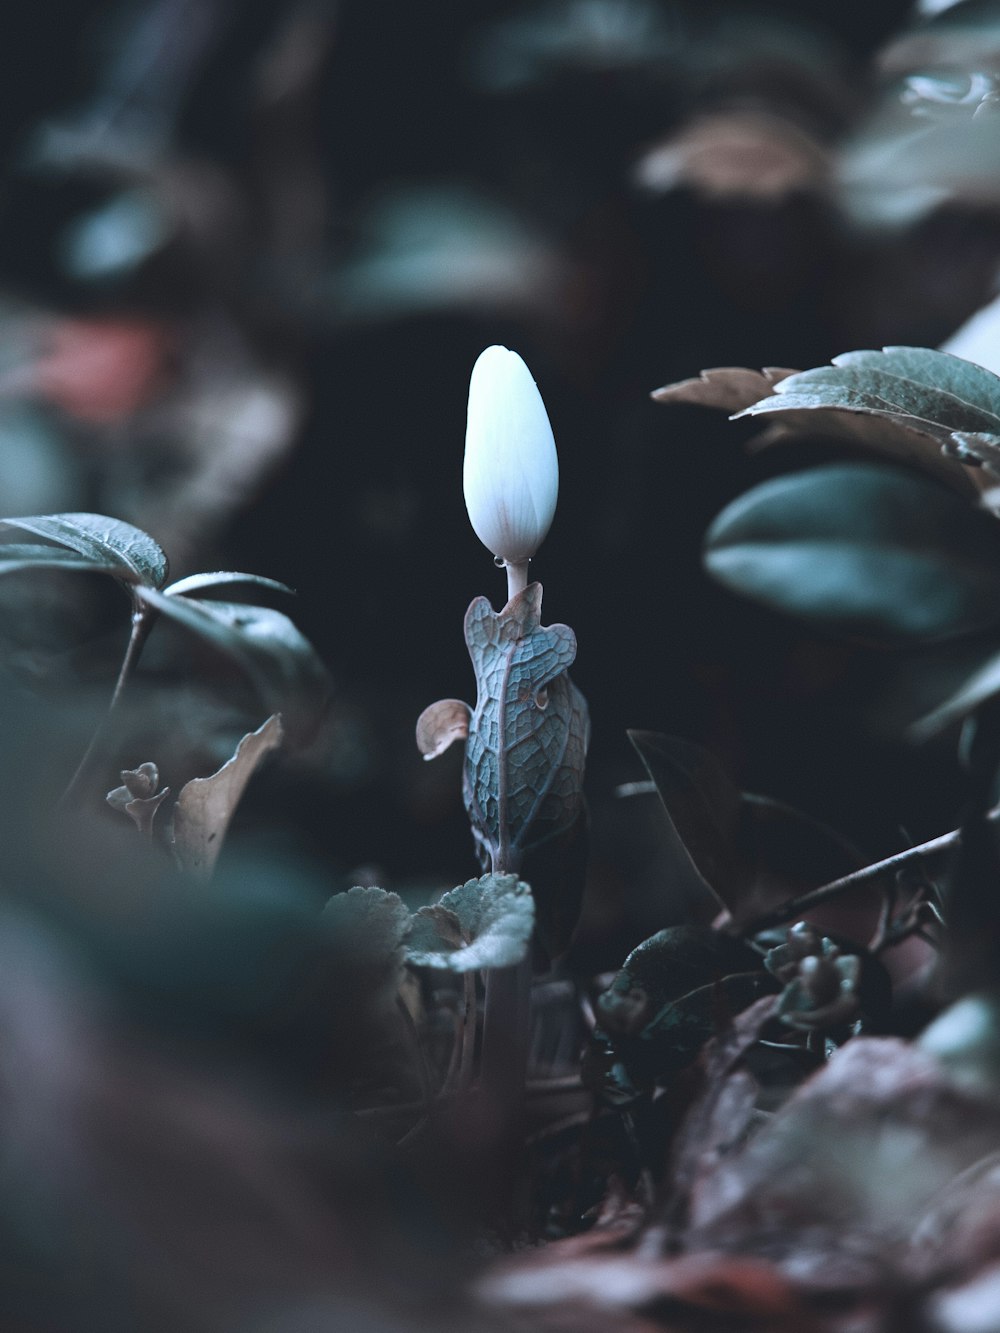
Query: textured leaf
<point>368,927</point>
<point>869,551</point>
<point>440,724</point>
<point>728,388</point>
<point>15,556</point>
<point>206,806</point>
<point>218,578</point>
<point>280,662</point>
<point>528,735</point>
<point>930,393</point>
<point>105,541</point>
<point>484,923</point>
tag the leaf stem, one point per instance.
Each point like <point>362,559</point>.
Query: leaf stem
<point>142,622</point>
<point>795,907</point>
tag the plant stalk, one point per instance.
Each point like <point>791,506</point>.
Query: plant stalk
<point>142,622</point>
<point>795,907</point>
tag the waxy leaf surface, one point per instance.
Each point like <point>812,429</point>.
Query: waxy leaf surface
<point>873,552</point>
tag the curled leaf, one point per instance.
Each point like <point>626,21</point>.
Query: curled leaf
<point>484,923</point>
<point>440,724</point>
<point>138,797</point>
<point>206,806</point>
<point>219,578</point>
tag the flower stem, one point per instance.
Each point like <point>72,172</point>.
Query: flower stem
<point>517,577</point>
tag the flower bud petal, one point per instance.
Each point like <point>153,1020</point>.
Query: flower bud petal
<point>511,473</point>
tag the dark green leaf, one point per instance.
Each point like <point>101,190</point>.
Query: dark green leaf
<point>667,966</point>
<point>367,927</point>
<point>703,810</point>
<point>527,742</point>
<point>15,557</point>
<point>873,552</point>
<point>792,851</point>
<point>280,662</point>
<point>200,582</point>
<point>104,541</point>
<point>484,923</point>
<point>982,685</point>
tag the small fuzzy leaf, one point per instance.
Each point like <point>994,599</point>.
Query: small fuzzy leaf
<point>104,541</point>
<point>280,662</point>
<point>218,578</point>
<point>206,806</point>
<point>367,928</point>
<point>528,736</point>
<point>494,916</point>
<point>874,552</point>
<point>728,388</point>
<point>440,724</point>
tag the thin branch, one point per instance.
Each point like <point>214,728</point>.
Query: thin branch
<point>795,907</point>
<point>142,622</point>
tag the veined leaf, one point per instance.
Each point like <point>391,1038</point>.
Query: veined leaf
<point>874,552</point>
<point>104,541</point>
<point>484,923</point>
<point>280,661</point>
<point>728,388</point>
<point>15,556</point>
<point>219,578</point>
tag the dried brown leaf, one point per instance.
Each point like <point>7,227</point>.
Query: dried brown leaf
<point>728,388</point>
<point>206,805</point>
<point>440,724</point>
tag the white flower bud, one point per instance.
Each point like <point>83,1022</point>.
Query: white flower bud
<point>511,474</point>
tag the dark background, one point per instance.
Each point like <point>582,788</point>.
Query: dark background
<point>365,517</point>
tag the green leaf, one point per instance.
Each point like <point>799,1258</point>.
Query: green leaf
<point>367,927</point>
<point>280,662</point>
<point>981,686</point>
<point>200,582</point>
<point>104,541</point>
<point>15,556</point>
<point>873,552</point>
<point>703,811</point>
<point>667,966</point>
<point>484,923</point>
<point>929,393</point>
<point>528,735</point>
